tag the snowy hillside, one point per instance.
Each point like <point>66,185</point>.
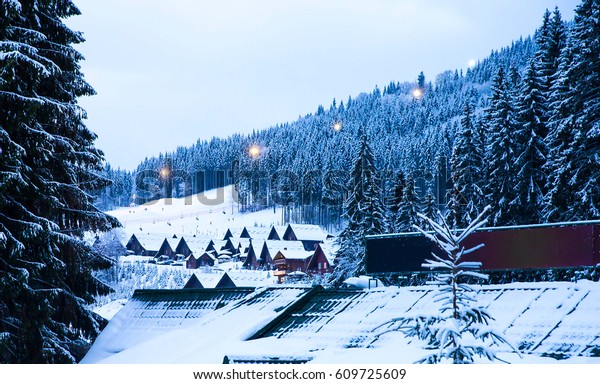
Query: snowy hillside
<point>209,213</point>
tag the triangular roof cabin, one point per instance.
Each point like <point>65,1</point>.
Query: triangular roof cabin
<point>256,233</point>
<point>165,249</point>
<point>245,233</point>
<point>321,261</point>
<point>228,234</point>
<point>228,246</point>
<point>193,283</point>
<point>225,282</point>
<point>145,244</point>
<point>252,256</point>
<point>189,245</point>
<point>309,234</point>
<point>210,247</point>
<point>276,232</point>
<point>270,248</point>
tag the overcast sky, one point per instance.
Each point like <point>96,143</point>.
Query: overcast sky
<point>168,73</point>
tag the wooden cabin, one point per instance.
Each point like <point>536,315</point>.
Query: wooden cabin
<point>193,283</point>
<point>225,282</point>
<point>145,244</point>
<point>310,235</point>
<point>289,261</point>
<point>253,255</point>
<point>321,261</point>
<point>270,249</point>
<point>167,248</point>
<point>206,259</point>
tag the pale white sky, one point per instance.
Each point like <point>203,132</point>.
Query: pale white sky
<point>170,72</point>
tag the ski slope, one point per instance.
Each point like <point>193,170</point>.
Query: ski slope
<point>209,213</point>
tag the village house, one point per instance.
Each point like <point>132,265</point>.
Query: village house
<point>290,262</point>
<point>145,244</point>
<point>310,235</point>
<point>321,261</point>
<point>270,249</point>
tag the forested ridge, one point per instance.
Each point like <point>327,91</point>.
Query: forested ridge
<point>517,131</point>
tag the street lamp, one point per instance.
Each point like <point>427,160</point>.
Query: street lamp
<point>254,151</point>
<point>337,126</point>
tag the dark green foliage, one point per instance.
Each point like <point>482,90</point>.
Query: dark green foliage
<point>364,213</point>
<point>47,159</point>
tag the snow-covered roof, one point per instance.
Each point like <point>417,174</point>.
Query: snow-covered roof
<point>329,248</point>
<point>308,232</point>
<point>295,254</point>
<point>154,315</point>
<point>281,245</point>
<point>338,325</point>
<point>197,245</point>
<point>173,242</point>
<point>151,241</point>
<point>279,229</point>
<point>258,232</point>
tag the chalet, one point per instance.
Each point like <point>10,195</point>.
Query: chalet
<point>231,233</point>
<point>145,244</point>
<point>289,261</point>
<point>225,282</point>
<point>256,233</point>
<point>167,248</point>
<point>210,247</point>
<point>253,255</point>
<point>187,246</point>
<point>276,232</point>
<point>193,283</point>
<point>270,249</point>
<point>310,235</point>
<point>321,261</point>
<point>206,259</point>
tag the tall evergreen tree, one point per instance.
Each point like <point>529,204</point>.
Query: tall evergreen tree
<point>467,198</point>
<point>530,151</point>
<point>577,168</point>
<point>396,196</point>
<point>47,159</point>
<point>364,213</point>
<point>500,150</point>
<point>408,210</point>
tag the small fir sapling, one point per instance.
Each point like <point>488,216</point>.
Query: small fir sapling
<point>462,330</point>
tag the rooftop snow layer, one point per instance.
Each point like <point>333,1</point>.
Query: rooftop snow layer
<point>559,320</point>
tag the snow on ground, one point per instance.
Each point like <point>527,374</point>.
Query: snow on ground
<point>209,213</point>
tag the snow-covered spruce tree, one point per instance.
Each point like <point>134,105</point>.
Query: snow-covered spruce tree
<point>396,194</point>
<point>467,198</point>
<point>530,151</point>
<point>578,83</point>
<point>47,160</point>
<point>500,150</point>
<point>462,329</point>
<point>364,213</point>
<point>408,210</point>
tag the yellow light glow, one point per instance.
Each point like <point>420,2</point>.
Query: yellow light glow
<point>337,126</point>
<point>254,151</point>
<point>417,93</point>
<point>164,172</point>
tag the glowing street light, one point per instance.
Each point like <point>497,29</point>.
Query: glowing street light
<point>164,172</point>
<point>337,126</point>
<point>417,93</point>
<point>254,151</point>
